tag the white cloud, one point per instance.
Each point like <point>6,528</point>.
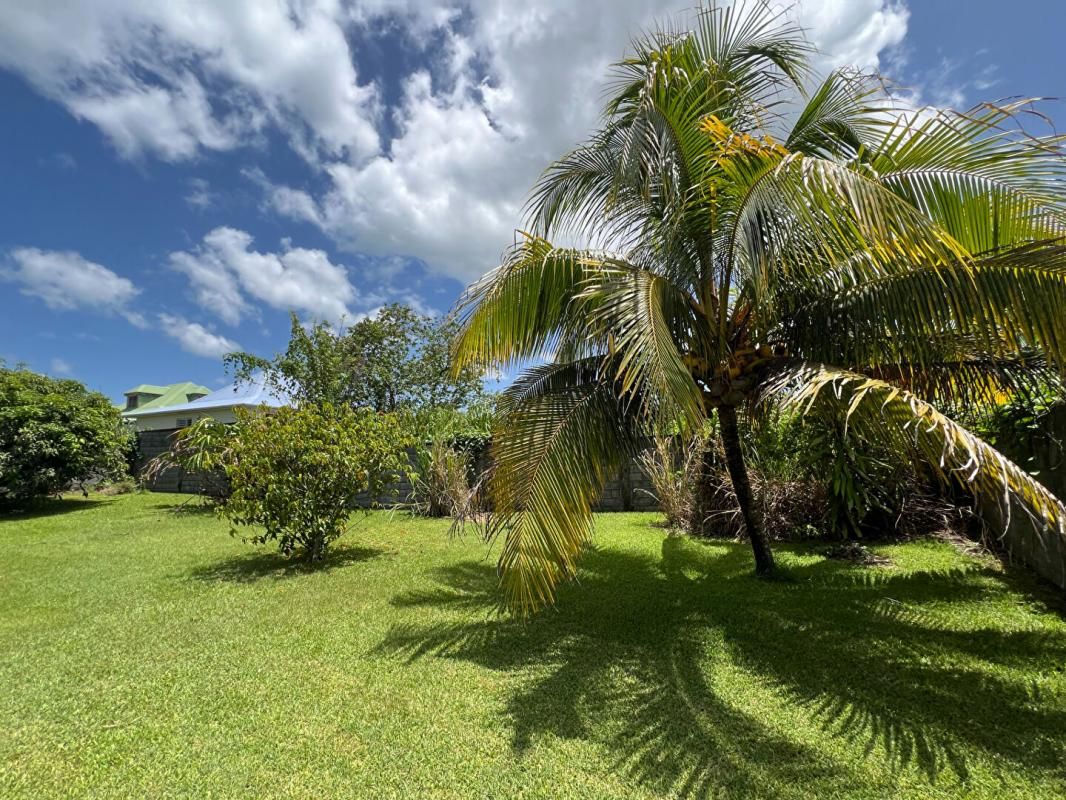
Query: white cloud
<point>195,338</point>
<point>513,86</point>
<point>451,186</point>
<point>200,195</point>
<point>143,72</point>
<point>60,367</point>
<point>853,33</point>
<point>65,281</point>
<point>224,272</point>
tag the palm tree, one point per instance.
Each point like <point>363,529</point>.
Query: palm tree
<point>749,245</point>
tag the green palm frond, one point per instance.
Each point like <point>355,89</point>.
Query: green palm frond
<point>644,317</point>
<point>810,225</point>
<point>841,116</point>
<point>523,308</point>
<point>745,55</point>
<point>970,381</point>
<point>877,411</point>
<point>1006,303</point>
<point>638,176</point>
<point>563,431</point>
<point>582,188</point>
<point>977,174</point>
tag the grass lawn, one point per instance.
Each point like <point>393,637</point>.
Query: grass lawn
<point>145,653</point>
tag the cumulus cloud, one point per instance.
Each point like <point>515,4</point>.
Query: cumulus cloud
<point>520,86</point>
<point>175,78</point>
<point>195,338</point>
<point>65,281</point>
<point>224,272</point>
<point>852,33</point>
<point>499,89</point>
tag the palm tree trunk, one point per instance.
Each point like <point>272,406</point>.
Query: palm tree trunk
<point>738,473</point>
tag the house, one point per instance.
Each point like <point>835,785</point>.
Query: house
<point>146,398</point>
<point>182,404</point>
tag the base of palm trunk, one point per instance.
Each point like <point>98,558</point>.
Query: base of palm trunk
<point>749,508</point>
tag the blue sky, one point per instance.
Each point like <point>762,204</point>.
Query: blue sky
<point>177,176</point>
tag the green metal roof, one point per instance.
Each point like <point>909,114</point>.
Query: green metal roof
<point>173,395</point>
<point>147,388</point>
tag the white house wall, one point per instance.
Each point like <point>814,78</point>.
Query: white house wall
<point>155,422</point>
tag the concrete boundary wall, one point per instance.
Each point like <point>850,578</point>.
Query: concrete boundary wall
<point>630,490</point>
<point>1041,452</point>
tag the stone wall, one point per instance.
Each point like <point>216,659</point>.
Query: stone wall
<point>630,490</point>
<point>154,443</point>
<point>1040,452</point>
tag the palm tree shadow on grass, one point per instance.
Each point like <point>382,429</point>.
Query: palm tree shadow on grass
<point>274,566</point>
<point>631,658</point>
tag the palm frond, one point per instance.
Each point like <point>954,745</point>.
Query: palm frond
<point>971,381</point>
<point>562,433</point>
<point>879,412</point>
<point>649,325</point>
<point>743,54</point>
<point>1006,303</point>
<point>841,116</point>
<point>977,174</point>
<point>523,308</point>
<point>810,225</point>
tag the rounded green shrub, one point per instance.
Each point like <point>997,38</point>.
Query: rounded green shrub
<point>295,472</point>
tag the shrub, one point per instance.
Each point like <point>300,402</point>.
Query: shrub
<point>811,479</point>
<point>452,445</point>
<point>1031,431</point>
<point>442,486</point>
<point>54,433</point>
<point>673,468</point>
<point>112,488</point>
<point>295,472</point>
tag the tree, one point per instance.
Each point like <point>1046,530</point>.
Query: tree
<point>753,245</point>
<point>296,471</point>
<point>55,432</point>
<point>404,360</point>
<point>316,367</point>
<point>394,359</point>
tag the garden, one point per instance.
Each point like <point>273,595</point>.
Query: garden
<point>821,334</point>
<point>148,654</point>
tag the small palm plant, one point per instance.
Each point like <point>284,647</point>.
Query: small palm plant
<point>752,245</point>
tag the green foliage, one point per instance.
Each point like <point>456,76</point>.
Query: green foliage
<point>396,359</point>
<point>728,263</point>
<point>470,427</point>
<point>1032,431</point>
<point>205,447</point>
<point>315,367</point>
<point>53,433</point>
<point>296,472</point>
<point>1022,418</point>
<point>403,359</point>
<point>450,447</point>
<point>860,478</point>
<point>158,656</point>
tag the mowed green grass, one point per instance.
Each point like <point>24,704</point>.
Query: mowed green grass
<point>145,653</point>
